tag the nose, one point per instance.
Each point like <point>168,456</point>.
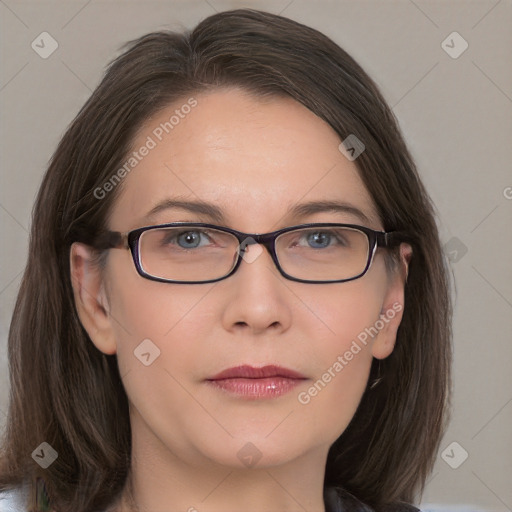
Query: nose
<point>256,299</point>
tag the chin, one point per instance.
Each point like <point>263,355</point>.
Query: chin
<point>259,451</point>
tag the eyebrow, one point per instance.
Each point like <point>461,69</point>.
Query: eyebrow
<point>200,207</point>
<point>313,207</point>
<point>299,210</point>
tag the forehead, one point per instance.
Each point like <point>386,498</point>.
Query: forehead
<point>254,159</point>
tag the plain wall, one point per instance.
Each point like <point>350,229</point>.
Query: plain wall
<point>456,114</point>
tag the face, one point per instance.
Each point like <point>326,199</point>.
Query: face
<point>255,161</point>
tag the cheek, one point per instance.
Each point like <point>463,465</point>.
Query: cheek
<point>342,335</point>
<point>345,311</point>
<point>335,394</point>
<point>159,328</point>
<point>167,315</point>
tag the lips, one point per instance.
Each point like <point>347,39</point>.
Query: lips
<point>251,372</point>
<point>251,383</point>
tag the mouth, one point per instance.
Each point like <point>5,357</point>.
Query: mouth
<point>256,383</point>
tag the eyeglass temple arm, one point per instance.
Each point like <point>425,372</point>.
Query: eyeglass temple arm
<point>111,240</point>
<point>392,238</point>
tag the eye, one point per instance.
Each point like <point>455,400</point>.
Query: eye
<point>189,239</point>
<point>319,239</point>
<point>186,239</point>
<point>323,239</point>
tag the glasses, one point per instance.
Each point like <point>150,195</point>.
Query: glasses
<point>190,253</point>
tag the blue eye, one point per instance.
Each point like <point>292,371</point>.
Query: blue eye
<point>326,239</point>
<point>321,238</point>
<point>184,239</point>
<point>189,239</point>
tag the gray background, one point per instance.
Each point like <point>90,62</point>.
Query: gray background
<point>456,114</point>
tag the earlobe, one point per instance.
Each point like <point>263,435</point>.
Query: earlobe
<point>390,319</point>
<point>392,309</point>
<point>91,300</point>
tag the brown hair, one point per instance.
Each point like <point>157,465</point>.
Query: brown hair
<point>66,392</point>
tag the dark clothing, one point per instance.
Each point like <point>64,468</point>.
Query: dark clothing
<point>338,500</point>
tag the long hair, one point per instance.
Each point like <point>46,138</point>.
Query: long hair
<point>68,394</point>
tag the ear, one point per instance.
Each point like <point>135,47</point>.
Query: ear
<point>91,298</point>
<point>393,306</point>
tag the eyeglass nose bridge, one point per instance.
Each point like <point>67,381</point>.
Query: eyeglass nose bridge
<point>267,240</point>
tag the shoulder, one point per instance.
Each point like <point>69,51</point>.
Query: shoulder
<point>339,500</point>
<point>400,507</point>
<point>14,500</point>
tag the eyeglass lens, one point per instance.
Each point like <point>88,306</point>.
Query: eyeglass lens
<point>202,254</point>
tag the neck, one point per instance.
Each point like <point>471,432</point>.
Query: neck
<point>181,476</point>
<point>287,489</point>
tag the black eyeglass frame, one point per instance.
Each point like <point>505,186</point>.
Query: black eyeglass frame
<point>130,240</point>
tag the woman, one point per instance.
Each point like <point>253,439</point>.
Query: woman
<point>235,297</point>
